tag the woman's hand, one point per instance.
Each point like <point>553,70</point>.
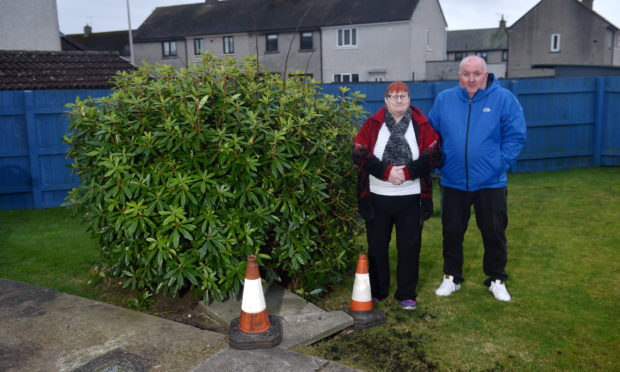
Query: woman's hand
<point>397,175</point>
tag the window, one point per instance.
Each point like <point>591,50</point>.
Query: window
<point>504,55</point>
<point>271,42</point>
<point>458,56</point>
<point>169,48</point>
<point>346,78</point>
<point>305,40</point>
<point>483,55</point>
<point>555,43</point>
<point>428,39</point>
<point>347,37</point>
<point>229,44</point>
<point>301,76</point>
<point>199,46</point>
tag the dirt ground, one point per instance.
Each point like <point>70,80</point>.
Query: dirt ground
<point>184,309</point>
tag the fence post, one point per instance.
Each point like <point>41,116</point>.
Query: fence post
<point>598,121</point>
<point>514,88</point>
<point>33,148</point>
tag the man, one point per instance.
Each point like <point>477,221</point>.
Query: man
<point>482,129</point>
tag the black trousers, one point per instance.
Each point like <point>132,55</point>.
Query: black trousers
<point>403,213</point>
<point>491,210</point>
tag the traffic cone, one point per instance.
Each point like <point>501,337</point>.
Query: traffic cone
<point>254,329</point>
<point>361,309</point>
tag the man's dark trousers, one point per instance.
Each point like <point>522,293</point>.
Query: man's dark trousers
<point>490,206</point>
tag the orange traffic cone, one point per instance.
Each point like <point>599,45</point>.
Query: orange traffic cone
<point>361,308</point>
<point>254,329</point>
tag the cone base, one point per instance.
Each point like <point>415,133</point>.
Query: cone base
<point>367,319</point>
<point>247,341</point>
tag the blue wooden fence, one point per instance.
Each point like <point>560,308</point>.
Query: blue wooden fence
<point>572,122</point>
<point>33,172</point>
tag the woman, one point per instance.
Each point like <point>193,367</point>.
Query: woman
<point>395,149</point>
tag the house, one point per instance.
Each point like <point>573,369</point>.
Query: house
<point>98,41</point>
<point>561,32</point>
<point>488,43</point>
<point>29,25</point>
<point>320,38</point>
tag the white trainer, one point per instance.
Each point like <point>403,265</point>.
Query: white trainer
<point>498,288</point>
<point>447,287</point>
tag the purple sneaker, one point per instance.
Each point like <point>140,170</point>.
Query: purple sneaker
<point>408,304</point>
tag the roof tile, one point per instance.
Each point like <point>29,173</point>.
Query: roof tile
<point>59,70</point>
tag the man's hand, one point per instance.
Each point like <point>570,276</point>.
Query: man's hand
<point>397,175</point>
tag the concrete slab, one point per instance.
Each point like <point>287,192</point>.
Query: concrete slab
<point>268,360</point>
<point>46,330</point>
<point>303,323</point>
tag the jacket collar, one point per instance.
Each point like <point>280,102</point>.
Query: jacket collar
<point>492,84</point>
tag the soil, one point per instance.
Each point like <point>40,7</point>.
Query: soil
<point>184,309</point>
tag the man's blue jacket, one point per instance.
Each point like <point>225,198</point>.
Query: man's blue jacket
<point>481,136</point>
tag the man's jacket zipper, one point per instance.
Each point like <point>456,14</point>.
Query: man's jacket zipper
<point>467,145</point>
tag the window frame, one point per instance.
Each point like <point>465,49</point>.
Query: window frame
<point>271,43</point>
<point>343,34</point>
<point>169,48</point>
<point>228,46</point>
<point>305,46</point>
<point>483,54</point>
<point>352,77</point>
<point>199,46</point>
<point>555,43</point>
<point>428,39</point>
<point>504,55</point>
<point>458,56</point>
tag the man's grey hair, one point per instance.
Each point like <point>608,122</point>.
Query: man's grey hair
<point>470,58</point>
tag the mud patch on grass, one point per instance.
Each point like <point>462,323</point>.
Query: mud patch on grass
<point>385,350</point>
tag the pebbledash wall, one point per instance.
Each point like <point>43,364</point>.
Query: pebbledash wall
<point>572,122</point>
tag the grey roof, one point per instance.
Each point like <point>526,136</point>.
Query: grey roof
<point>478,39</point>
<point>21,69</point>
<point>99,41</point>
<point>214,17</point>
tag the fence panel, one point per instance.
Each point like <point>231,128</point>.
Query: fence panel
<point>33,172</point>
<point>610,132</point>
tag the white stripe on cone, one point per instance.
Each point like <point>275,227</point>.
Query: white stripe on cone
<point>361,288</point>
<point>253,299</point>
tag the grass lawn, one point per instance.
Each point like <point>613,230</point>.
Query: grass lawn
<point>564,254</point>
<point>49,248</point>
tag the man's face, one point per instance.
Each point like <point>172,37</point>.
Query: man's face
<point>397,103</point>
<point>472,76</point>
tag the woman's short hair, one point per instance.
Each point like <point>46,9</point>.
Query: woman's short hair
<point>397,86</point>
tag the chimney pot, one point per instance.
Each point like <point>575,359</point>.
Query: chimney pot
<point>87,30</point>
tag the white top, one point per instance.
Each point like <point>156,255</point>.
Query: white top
<point>409,187</point>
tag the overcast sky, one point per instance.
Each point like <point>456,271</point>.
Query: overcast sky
<point>111,15</point>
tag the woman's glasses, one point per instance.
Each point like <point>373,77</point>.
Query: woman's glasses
<point>395,97</point>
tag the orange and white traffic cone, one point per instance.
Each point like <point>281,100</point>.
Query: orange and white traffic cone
<point>255,328</point>
<point>361,309</point>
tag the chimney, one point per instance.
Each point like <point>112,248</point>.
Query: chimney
<point>87,30</point>
<point>502,24</point>
<point>587,3</point>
